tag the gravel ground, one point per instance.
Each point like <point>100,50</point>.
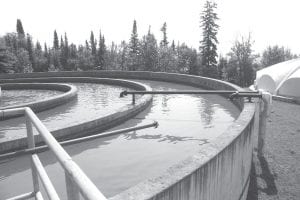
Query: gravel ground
<point>276,175</point>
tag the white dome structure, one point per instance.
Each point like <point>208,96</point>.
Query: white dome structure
<point>282,79</point>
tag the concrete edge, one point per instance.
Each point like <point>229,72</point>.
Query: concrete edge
<point>70,92</point>
<point>154,188</point>
<point>219,171</point>
<point>111,119</point>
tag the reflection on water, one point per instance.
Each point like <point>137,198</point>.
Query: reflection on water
<point>16,97</point>
<point>116,163</point>
<point>93,101</point>
<point>163,138</point>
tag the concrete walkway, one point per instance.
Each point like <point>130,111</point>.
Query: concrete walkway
<point>276,175</point>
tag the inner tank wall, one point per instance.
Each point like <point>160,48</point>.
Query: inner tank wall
<point>220,170</point>
<point>70,92</point>
<point>196,81</point>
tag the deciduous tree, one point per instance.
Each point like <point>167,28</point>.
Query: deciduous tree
<point>241,62</point>
<point>275,54</point>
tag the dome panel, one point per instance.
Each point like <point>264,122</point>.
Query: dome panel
<point>273,78</point>
<point>266,83</point>
<point>291,86</point>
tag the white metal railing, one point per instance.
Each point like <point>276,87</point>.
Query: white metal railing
<point>77,183</point>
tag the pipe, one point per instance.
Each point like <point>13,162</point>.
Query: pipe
<point>125,92</point>
<point>74,141</point>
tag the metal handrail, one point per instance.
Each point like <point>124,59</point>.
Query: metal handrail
<point>72,170</point>
<point>51,192</point>
<point>76,181</point>
<point>76,140</point>
<point>6,113</point>
<point>23,196</point>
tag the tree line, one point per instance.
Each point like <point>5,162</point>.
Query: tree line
<point>18,53</point>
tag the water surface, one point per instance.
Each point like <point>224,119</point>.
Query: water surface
<point>93,101</point>
<point>16,97</point>
<point>186,123</point>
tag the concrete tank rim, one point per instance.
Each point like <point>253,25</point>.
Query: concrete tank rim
<point>70,92</point>
<point>213,150</point>
<point>155,185</point>
<point>141,103</point>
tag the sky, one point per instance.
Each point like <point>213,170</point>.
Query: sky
<point>270,22</point>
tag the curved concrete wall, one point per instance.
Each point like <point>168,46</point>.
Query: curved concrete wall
<point>70,92</point>
<point>220,170</point>
<point>111,119</point>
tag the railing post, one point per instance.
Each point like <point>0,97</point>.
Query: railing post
<point>31,144</point>
<point>265,105</point>
<point>72,189</point>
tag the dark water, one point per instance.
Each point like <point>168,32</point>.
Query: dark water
<point>186,122</point>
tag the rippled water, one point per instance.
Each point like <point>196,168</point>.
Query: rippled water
<point>116,163</point>
<point>93,101</point>
<point>16,97</point>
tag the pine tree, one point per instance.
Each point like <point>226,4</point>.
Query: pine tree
<point>133,60</point>
<point>101,53</point>
<point>55,54</point>
<point>66,47</point>
<point>21,40</point>
<point>45,49</point>
<point>66,54</point>
<point>87,46</point>
<point>55,41</point>
<point>62,43</point>
<point>208,47</point>
<point>63,55</point>
<point>20,30</point>
<point>93,44</point>
<point>173,46</point>
<point>38,46</point>
<point>149,52</point>
<point>47,55</point>
<point>134,39</point>
<point>164,42</point>
<point>30,52</point>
